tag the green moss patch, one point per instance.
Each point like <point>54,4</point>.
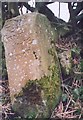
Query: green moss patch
<point>40,96</point>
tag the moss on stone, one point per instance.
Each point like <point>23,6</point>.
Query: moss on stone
<point>49,93</point>
<point>42,95</point>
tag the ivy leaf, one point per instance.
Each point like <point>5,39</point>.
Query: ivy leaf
<point>81,65</point>
<point>76,93</point>
<point>75,50</point>
<point>64,97</point>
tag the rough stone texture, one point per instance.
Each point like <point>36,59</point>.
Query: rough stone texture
<point>32,65</point>
<point>65,60</point>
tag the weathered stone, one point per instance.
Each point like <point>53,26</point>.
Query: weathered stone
<point>65,60</point>
<point>32,65</point>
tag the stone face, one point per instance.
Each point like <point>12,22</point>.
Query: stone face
<point>32,65</point>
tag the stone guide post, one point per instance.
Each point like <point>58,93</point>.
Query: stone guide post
<point>32,65</point>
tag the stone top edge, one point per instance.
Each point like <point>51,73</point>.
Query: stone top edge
<point>33,14</point>
<point>24,16</point>
<point>20,20</point>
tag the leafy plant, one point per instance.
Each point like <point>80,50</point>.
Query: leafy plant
<point>78,93</point>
